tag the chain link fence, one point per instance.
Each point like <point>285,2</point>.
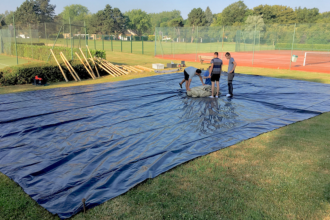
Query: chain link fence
<point>281,46</point>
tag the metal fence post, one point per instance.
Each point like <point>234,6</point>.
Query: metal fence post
<point>15,39</point>
<point>196,45</point>
<point>142,45</point>
<point>71,39</point>
<point>86,38</point>
<point>102,41</point>
<point>131,45</point>
<point>111,43</point>
<point>31,40</point>
<point>55,41</point>
<point>254,44</point>
<point>156,41</point>
<point>95,41</point>
<point>121,43</point>
<point>46,32</point>
<point>223,36</point>
<point>294,33</point>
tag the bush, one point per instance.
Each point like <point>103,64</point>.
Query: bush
<point>312,47</point>
<point>43,52</point>
<point>24,74</point>
<point>35,44</point>
<point>151,37</point>
<point>55,35</point>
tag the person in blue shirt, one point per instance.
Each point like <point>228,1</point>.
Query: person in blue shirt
<point>206,77</point>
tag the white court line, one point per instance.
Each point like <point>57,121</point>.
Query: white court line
<point>3,64</point>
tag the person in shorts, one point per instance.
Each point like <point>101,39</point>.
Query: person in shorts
<point>215,72</point>
<point>231,74</point>
<point>189,73</point>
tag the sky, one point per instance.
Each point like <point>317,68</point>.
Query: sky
<point>154,6</point>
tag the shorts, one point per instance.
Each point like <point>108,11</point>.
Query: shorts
<point>231,76</point>
<point>215,77</point>
<point>186,76</point>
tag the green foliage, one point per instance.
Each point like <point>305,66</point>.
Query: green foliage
<point>305,15</point>
<point>161,19</point>
<point>139,21</point>
<point>254,22</point>
<point>35,44</point>
<point>108,21</point>
<point>151,38</point>
<point>99,53</point>
<point>276,14</point>
<point>197,17</point>
<point>217,20</point>
<point>24,74</point>
<point>75,12</point>
<point>209,16</point>
<point>176,22</point>
<point>234,13</point>
<point>308,47</point>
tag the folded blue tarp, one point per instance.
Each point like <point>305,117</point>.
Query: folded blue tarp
<point>98,141</point>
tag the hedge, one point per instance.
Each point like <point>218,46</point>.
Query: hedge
<point>42,52</point>
<point>151,37</point>
<point>24,74</point>
<point>288,46</point>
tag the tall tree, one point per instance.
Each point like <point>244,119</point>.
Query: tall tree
<point>176,22</point>
<point>305,15</point>
<point>209,16</point>
<point>196,17</point>
<point>75,13</point>
<point>108,21</point>
<point>254,22</point>
<point>161,19</point>
<point>44,10</point>
<point>217,20</point>
<point>267,12</point>
<point>284,15</point>
<point>234,13</point>
<point>25,14</point>
<point>139,21</point>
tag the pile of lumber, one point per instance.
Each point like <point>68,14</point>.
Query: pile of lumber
<point>113,70</point>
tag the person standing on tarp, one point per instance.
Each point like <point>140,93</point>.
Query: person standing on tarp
<point>189,73</point>
<point>206,77</point>
<point>231,74</point>
<point>215,72</point>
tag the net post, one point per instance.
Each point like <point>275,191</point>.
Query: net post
<point>55,41</point>
<point>294,33</point>
<point>15,38</point>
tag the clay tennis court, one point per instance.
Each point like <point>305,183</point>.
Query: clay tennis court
<point>275,59</point>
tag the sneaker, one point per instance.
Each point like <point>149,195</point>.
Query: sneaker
<point>180,85</point>
<point>216,96</point>
<point>228,95</point>
<point>211,97</point>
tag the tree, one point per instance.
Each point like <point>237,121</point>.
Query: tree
<point>324,17</point>
<point>209,16</point>
<point>44,10</point>
<point>305,15</point>
<point>75,13</point>
<point>108,21</point>
<point>234,13</point>
<point>284,15</point>
<point>139,21</point>
<point>176,22</point>
<point>267,12</point>
<point>161,19</point>
<point>25,14</point>
<point>197,17</point>
<point>254,22</point>
<point>217,21</point>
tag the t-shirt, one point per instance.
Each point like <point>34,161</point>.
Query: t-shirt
<point>208,80</point>
<point>217,65</point>
<point>191,71</point>
<point>231,64</point>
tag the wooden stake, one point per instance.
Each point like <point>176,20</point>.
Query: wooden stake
<point>144,68</point>
<point>85,65</point>
<point>59,66</point>
<point>98,74</point>
<point>70,66</point>
<point>74,77</point>
<point>110,68</point>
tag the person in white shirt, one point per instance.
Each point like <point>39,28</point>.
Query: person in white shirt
<point>189,73</point>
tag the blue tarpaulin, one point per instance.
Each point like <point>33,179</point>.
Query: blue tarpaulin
<point>98,141</point>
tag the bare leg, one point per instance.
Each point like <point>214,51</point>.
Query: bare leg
<point>187,85</point>
<point>182,81</point>
<point>218,88</point>
<point>212,88</point>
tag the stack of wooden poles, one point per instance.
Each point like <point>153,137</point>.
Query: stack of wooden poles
<point>113,70</point>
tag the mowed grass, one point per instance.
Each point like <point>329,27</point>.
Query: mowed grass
<point>283,174</point>
<point>6,61</point>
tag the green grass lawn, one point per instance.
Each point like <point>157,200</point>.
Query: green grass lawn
<point>6,61</point>
<point>283,174</point>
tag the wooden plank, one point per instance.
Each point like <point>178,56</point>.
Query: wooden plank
<point>93,61</point>
<point>74,72</point>
<point>85,65</point>
<point>74,77</point>
<point>66,79</point>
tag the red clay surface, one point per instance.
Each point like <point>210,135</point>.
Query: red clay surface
<point>279,59</point>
